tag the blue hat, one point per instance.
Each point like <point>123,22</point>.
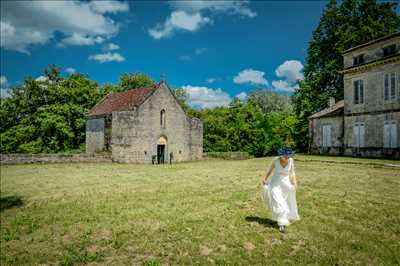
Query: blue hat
<point>286,152</point>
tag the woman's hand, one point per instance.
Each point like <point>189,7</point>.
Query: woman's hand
<point>263,181</point>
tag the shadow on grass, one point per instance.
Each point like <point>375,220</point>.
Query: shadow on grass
<point>9,202</point>
<point>262,221</point>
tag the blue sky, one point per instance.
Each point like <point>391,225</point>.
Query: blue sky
<point>215,50</point>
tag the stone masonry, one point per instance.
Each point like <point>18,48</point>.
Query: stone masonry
<point>154,125</point>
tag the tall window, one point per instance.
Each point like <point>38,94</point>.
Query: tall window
<point>389,87</point>
<point>390,134</point>
<point>358,91</point>
<point>389,50</point>
<point>359,59</point>
<point>359,134</point>
<point>326,136</point>
<point>162,118</point>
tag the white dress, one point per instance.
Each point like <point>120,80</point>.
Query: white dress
<point>280,195</point>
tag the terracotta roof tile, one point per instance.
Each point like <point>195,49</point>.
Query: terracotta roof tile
<point>121,101</point>
<point>329,110</point>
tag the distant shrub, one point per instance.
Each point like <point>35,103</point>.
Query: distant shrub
<point>9,202</point>
<point>236,155</point>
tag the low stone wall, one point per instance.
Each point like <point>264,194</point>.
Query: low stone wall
<point>53,158</point>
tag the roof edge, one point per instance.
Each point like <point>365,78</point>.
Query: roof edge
<point>326,111</point>
<point>372,42</point>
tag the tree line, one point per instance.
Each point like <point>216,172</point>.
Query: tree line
<point>47,115</point>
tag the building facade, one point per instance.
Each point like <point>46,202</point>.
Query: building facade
<point>142,126</point>
<point>371,108</point>
<point>326,129</point>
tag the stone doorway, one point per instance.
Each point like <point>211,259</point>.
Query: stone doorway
<point>160,154</point>
<point>161,150</point>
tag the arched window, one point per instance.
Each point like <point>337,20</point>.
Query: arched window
<point>162,118</point>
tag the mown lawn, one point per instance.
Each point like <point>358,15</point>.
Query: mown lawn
<point>201,213</point>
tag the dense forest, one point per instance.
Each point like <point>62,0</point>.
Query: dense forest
<point>47,115</point>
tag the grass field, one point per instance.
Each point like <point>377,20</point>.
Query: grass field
<point>206,212</point>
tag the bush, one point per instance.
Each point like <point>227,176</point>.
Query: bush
<point>9,202</point>
<point>229,155</point>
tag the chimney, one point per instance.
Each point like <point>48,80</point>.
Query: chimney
<point>162,78</point>
<point>331,101</point>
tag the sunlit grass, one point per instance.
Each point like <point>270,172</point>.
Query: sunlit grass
<point>207,212</point>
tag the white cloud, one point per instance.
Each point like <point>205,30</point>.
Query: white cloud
<point>211,80</point>
<point>27,23</point>
<point>70,70</point>
<point>242,96</point>
<point>42,78</point>
<point>4,90</point>
<point>197,52</point>
<point>109,6</point>
<point>107,57</point>
<point>231,7</point>
<point>3,81</point>
<point>250,76</point>
<point>111,47</point>
<point>282,85</point>
<point>205,97</point>
<point>291,70</point>
<point>179,21</point>
<point>19,39</point>
<point>200,51</point>
<point>79,39</point>
<point>190,15</point>
<point>4,93</point>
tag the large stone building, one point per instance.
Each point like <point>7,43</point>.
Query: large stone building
<point>367,121</point>
<point>143,124</point>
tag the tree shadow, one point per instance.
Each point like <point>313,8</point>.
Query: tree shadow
<point>263,221</point>
<point>9,202</point>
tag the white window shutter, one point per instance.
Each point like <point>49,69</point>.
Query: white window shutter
<point>362,135</point>
<point>355,135</point>
<point>393,135</point>
<point>328,136</point>
<point>386,134</point>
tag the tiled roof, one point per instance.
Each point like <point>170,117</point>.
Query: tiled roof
<point>330,111</point>
<point>121,101</point>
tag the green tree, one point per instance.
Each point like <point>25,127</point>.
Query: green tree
<point>182,97</point>
<point>47,115</point>
<point>244,127</point>
<point>135,80</point>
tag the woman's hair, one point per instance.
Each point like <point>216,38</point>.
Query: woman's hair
<point>286,152</point>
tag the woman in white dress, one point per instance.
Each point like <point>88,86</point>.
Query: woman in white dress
<point>279,193</point>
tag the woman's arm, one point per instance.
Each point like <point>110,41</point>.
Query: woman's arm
<point>293,175</point>
<point>269,172</point>
<point>295,183</point>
